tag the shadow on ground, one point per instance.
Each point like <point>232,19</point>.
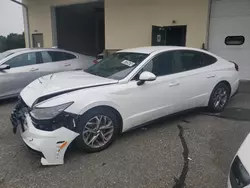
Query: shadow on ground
<point>8,101</point>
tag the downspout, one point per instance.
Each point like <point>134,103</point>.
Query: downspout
<point>208,24</point>
<point>27,19</point>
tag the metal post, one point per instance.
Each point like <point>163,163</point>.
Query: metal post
<point>27,19</point>
<point>208,24</point>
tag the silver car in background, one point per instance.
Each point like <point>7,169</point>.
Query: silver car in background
<point>19,67</point>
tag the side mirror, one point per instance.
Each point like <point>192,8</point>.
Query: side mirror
<point>4,67</point>
<point>146,76</point>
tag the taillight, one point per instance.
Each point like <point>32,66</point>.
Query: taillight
<point>95,61</point>
<point>235,66</point>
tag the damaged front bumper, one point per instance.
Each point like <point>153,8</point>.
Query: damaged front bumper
<point>51,144</point>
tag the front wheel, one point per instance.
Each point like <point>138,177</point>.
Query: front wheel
<point>98,129</point>
<point>219,98</point>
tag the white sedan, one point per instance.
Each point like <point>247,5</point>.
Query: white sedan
<point>130,88</point>
<point>239,175</point>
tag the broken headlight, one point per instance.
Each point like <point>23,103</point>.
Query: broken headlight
<point>49,112</point>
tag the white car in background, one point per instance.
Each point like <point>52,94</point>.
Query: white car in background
<point>99,58</point>
<point>129,88</point>
<point>19,67</point>
<point>239,175</point>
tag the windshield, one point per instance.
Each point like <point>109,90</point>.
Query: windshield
<point>117,66</point>
<point>5,54</point>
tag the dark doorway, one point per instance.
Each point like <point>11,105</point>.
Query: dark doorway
<point>169,36</point>
<point>80,27</point>
<point>158,36</point>
<point>176,35</point>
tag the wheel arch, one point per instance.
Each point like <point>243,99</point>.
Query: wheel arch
<point>227,83</point>
<point>112,108</point>
<point>210,104</point>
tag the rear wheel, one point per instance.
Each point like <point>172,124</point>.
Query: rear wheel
<point>219,98</point>
<point>98,129</point>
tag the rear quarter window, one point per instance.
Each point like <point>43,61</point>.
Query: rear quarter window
<point>69,56</point>
<point>61,56</point>
<point>208,59</point>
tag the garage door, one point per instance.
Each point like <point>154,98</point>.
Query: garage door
<point>229,35</point>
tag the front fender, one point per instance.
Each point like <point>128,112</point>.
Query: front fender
<point>99,103</point>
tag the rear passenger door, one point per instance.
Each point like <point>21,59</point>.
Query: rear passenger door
<point>55,61</point>
<point>194,73</point>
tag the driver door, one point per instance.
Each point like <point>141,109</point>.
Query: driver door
<point>153,99</point>
<point>23,70</point>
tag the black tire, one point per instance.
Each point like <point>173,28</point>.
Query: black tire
<point>98,111</point>
<point>212,101</point>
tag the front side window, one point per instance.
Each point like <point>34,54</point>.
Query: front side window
<point>117,66</point>
<point>161,65</point>
<point>22,60</point>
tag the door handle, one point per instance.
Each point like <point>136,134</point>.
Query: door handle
<point>66,65</point>
<point>34,69</point>
<point>211,76</point>
<point>174,84</point>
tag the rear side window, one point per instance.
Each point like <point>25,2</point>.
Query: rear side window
<point>188,60</point>
<point>22,60</point>
<point>46,58</point>
<point>53,56</point>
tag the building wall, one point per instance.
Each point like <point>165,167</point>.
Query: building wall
<point>40,17</point>
<point>129,22</point>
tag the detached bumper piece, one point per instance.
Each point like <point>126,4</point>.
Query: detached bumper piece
<point>51,144</point>
<point>38,153</point>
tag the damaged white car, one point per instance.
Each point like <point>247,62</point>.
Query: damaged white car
<point>130,88</point>
<point>239,175</point>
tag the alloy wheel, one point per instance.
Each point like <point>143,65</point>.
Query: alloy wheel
<point>220,98</point>
<point>98,131</point>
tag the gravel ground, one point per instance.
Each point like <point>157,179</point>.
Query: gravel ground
<point>150,157</point>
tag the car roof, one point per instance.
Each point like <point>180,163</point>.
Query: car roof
<point>151,49</point>
<point>35,49</point>
<point>17,50</point>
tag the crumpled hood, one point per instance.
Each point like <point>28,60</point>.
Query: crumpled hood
<point>244,153</point>
<point>61,82</point>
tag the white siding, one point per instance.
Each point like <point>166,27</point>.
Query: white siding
<point>231,18</point>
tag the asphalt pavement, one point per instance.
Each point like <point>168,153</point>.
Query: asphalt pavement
<point>194,149</point>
